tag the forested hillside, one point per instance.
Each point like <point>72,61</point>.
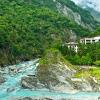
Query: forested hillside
<point>41,55</point>
<point>69,9</point>
<point>27,29</point>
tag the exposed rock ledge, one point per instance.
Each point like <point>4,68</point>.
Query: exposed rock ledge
<point>55,74</point>
<point>58,78</point>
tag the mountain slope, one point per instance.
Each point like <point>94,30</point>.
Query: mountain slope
<point>28,28</point>
<point>92,6</point>
<point>69,9</point>
<point>95,14</point>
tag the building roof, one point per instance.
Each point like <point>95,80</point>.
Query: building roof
<point>72,43</point>
<point>96,37</point>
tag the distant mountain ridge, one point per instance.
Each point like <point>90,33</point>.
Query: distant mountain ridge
<point>91,6</point>
<point>95,13</point>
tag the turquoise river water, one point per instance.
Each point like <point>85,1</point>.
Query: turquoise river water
<point>11,88</point>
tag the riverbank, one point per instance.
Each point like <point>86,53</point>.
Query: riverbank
<point>12,89</point>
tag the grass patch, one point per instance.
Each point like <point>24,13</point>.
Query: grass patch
<point>54,56</point>
<point>87,73</point>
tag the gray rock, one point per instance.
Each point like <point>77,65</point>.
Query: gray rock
<point>12,69</point>
<point>58,77</point>
<point>53,78</point>
<point>2,80</point>
<point>26,98</point>
<point>10,89</point>
<point>30,82</point>
<point>82,86</point>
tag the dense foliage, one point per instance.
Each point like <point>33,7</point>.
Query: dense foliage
<point>29,27</point>
<point>97,32</point>
<point>27,30</point>
<point>53,5</point>
<point>87,55</point>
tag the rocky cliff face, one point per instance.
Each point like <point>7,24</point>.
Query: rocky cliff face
<point>65,9</point>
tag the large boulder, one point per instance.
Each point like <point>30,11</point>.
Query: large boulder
<point>30,82</point>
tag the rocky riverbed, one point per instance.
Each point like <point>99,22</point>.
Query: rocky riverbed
<point>29,81</point>
<point>59,78</point>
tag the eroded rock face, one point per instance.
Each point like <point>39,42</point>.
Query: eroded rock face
<point>56,74</point>
<point>31,82</point>
<point>55,77</point>
<point>94,84</point>
<point>72,15</point>
<point>82,85</point>
<point>58,77</point>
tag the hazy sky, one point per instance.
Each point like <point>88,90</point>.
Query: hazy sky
<point>91,3</point>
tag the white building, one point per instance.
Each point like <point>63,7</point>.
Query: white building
<point>73,45</point>
<point>90,40</point>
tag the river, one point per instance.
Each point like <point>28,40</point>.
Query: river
<point>11,88</point>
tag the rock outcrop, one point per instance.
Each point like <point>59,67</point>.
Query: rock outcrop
<point>2,79</point>
<point>58,75</point>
